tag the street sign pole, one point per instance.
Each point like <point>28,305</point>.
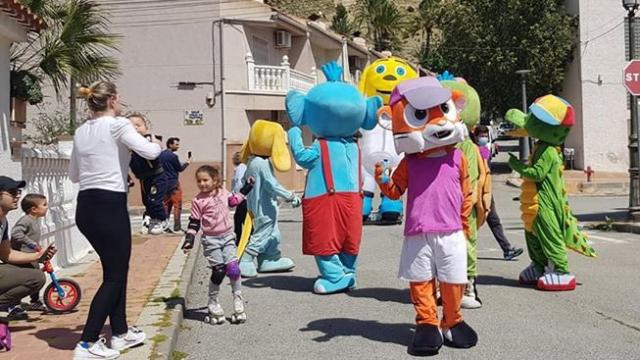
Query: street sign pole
<point>523,143</point>
<point>634,154</point>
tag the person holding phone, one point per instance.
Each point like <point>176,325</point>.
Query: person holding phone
<point>173,167</point>
<point>17,281</point>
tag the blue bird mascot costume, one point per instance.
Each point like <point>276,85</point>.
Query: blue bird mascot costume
<point>332,203</point>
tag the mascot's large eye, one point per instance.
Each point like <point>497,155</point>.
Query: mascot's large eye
<point>400,71</point>
<point>415,117</point>
<point>380,69</point>
<point>449,110</point>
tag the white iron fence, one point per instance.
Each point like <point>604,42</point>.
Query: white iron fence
<point>46,172</point>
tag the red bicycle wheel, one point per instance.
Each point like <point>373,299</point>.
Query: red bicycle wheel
<point>71,299</point>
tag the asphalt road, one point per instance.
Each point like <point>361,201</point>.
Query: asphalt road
<point>599,320</point>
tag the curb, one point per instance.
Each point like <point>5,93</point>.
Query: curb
<point>593,189</point>
<point>162,315</point>
<point>617,226</point>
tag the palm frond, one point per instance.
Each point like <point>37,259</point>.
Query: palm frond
<point>77,43</point>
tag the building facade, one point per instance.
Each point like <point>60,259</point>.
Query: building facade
<point>15,22</point>
<point>595,88</point>
<point>205,72</point>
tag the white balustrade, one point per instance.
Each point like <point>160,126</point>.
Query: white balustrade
<point>301,81</point>
<point>46,172</point>
<point>277,78</point>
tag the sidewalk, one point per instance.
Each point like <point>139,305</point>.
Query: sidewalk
<point>601,184</point>
<point>54,337</point>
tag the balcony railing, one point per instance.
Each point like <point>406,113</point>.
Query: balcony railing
<point>278,79</point>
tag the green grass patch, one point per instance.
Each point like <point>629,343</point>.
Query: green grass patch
<point>175,293</point>
<point>158,338</point>
<point>178,355</point>
<point>165,320</point>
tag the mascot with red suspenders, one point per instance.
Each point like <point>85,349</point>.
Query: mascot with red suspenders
<point>332,203</point>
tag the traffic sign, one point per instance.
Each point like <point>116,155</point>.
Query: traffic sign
<point>632,77</point>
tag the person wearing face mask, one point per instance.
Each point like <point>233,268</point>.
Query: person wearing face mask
<point>481,138</point>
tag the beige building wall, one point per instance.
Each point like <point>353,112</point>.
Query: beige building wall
<point>10,165</point>
<point>594,86</point>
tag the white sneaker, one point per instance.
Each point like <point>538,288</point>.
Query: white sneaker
<point>144,226</point>
<point>470,298</point>
<point>133,337</point>
<point>156,227</point>
<point>99,350</point>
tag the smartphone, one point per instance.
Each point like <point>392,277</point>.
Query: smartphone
<point>189,154</point>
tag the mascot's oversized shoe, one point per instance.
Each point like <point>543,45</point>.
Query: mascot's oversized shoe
<point>324,286</point>
<point>248,267</point>
<point>530,275</point>
<point>274,264</point>
<point>427,340</point>
<point>390,210</point>
<point>460,336</point>
<point>554,281</point>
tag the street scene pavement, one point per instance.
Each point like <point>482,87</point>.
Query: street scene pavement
<point>600,319</point>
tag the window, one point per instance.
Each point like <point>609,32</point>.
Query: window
<point>260,51</point>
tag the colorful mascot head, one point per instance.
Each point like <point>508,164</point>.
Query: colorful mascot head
<point>424,115</point>
<point>470,113</point>
<point>550,119</point>
<point>334,108</point>
<point>382,76</point>
<point>267,138</point>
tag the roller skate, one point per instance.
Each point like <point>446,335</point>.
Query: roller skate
<point>216,313</point>
<point>239,316</point>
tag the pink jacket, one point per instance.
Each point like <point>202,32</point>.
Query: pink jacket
<point>212,210</point>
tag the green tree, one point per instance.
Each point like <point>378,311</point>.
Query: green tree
<point>486,41</point>
<point>77,46</point>
<point>76,43</point>
<point>340,22</point>
<point>382,21</point>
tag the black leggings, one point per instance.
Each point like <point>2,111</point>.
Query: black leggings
<point>103,219</point>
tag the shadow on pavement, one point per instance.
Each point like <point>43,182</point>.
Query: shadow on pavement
<point>282,282</point>
<point>615,215</point>
<point>368,329</point>
<point>197,314</point>
<point>62,338</point>
<point>500,168</point>
<point>499,280</point>
<point>15,329</point>
<point>494,258</point>
<point>382,294</point>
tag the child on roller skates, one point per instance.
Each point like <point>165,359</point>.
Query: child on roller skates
<point>210,213</point>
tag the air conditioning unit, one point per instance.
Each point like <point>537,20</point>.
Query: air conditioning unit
<point>283,39</point>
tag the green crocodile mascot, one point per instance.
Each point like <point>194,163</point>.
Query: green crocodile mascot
<point>550,228</point>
